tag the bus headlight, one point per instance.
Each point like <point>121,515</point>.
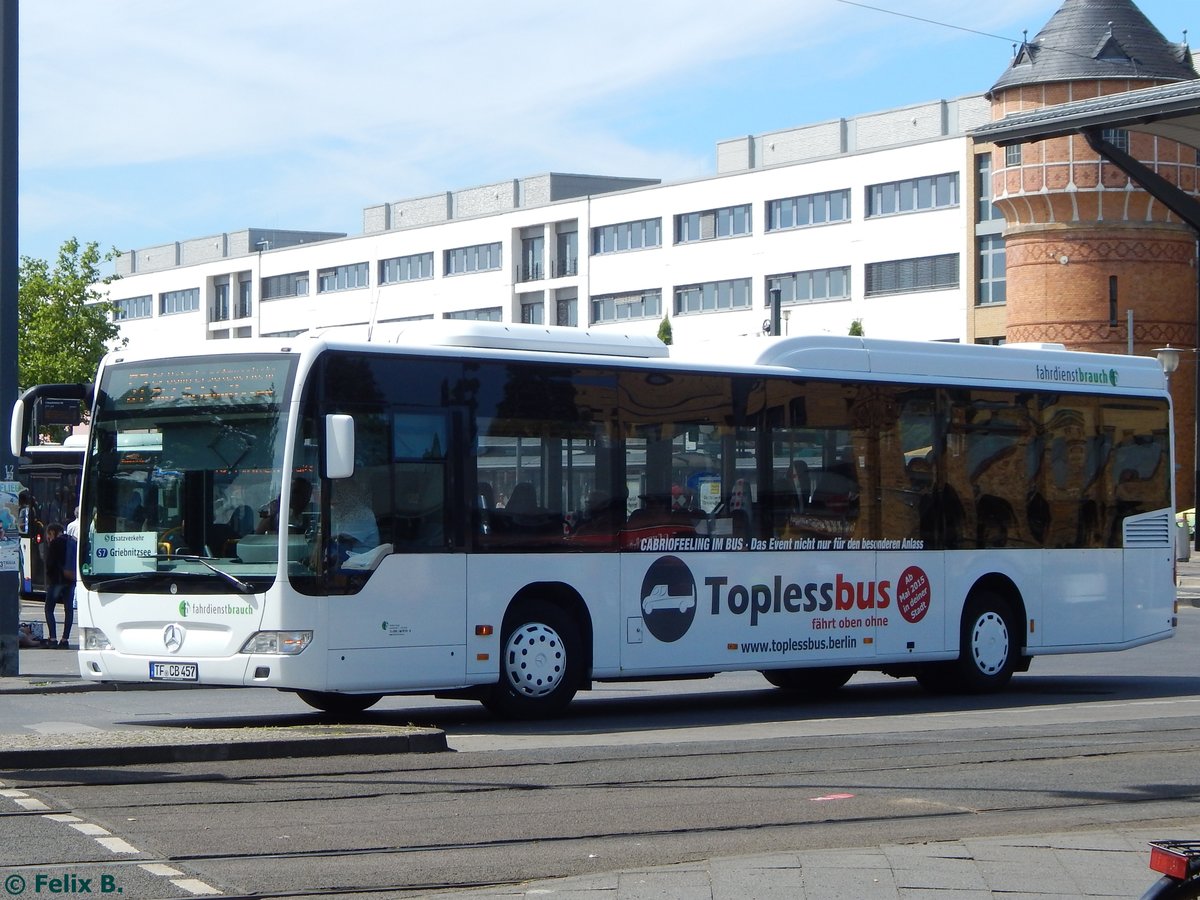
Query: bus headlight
<point>93,639</point>
<point>277,643</point>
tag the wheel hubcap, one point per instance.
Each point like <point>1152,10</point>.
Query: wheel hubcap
<point>989,643</point>
<point>535,660</point>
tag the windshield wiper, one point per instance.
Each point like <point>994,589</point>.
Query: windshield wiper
<point>114,583</point>
<point>242,586</point>
<point>117,583</point>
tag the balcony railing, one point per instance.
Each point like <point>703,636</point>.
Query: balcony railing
<point>529,273</point>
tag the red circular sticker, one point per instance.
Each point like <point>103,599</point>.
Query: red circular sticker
<point>912,594</point>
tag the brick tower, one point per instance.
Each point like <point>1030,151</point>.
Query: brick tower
<point>1074,222</point>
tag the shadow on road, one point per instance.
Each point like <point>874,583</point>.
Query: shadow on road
<point>646,706</point>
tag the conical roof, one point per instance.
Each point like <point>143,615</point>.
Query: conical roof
<point>1092,39</point>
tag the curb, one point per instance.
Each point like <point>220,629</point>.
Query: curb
<point>127,748</point>
<point>47,684</point>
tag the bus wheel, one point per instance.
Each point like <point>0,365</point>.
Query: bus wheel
<point>988,649</point>
<point>540,663</point>
<point>809,681</point>
<point>338,704</point>
<point>988,652</point>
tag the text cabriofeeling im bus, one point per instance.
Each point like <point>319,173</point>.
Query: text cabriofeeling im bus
<point>512,513</point>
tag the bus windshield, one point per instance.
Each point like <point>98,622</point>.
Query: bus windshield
<point>184,473</point>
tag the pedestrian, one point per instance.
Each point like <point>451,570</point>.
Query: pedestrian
<point>60,585</point>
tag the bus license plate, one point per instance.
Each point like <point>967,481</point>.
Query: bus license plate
<point>172,671</point>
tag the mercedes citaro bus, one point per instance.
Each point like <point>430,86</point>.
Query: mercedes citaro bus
<point>511,513</point>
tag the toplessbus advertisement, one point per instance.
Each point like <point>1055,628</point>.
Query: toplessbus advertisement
<point>738,610</point>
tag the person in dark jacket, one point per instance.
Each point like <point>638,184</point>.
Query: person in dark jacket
<point>60,585</point>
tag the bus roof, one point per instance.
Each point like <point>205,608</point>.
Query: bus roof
<point>1036,365</point>
<point>1042,365</point>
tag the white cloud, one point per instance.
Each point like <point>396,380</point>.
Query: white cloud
<point>143,121</point>
<point>140,81</point>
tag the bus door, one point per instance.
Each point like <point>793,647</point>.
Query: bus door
<point>396,597</point>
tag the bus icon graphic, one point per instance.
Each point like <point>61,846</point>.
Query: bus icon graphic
<point>669,599</point>
<point>660,598</point>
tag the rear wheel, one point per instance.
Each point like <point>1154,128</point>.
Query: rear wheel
<point>809,681</point>
<point>541,662</point>
<point>988,650</point>
<point>1167,888</point>
<point>338,704</point>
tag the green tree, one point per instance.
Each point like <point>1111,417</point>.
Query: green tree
<point>856,329</point>
<point>664,331</point>
<point>64,324</point>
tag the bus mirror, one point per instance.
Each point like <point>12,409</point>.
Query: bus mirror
<point>16,429</point>
<point>339,446</point>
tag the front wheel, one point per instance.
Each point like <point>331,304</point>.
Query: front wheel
<point>338,704</point>
<point>541,663</point>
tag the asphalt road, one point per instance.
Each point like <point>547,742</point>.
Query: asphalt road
<point>635,775</point>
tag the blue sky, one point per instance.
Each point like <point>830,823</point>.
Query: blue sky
<point>144,122</point>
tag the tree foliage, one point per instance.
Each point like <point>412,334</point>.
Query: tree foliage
<point>856,329</point>
<point>664,331</point>
<point>64,324</point>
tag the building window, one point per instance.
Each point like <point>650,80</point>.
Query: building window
<point>342,278</point>
<point>1012,155</point>
<point>632,305</point>
<point>985,211</point>
<point>533,309</point>
<point>990,341</point>
<point>991,286</point>
<point>913,195</point>
<point>421,318</point>
<point>728,221</point>
<point>417,267</point>
<point>566,308</point>
<point>567,261</point>
<point>811,286</point>
<point>490,314</point>
<point>244,307</point>
<point>279,286</point>
<point>220,309</point>
<point>172,302</point>
<point>639,235</point>
<point>283,334</point>
<point>1118,137</point>
<point>903,276</point>
<point>133,308</point>
<point>809,209</point>
<point>532,249</point>
<point>478,258</point>
<point>712,296</point>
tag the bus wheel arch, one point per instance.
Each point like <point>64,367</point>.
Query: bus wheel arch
<point>545,653</point>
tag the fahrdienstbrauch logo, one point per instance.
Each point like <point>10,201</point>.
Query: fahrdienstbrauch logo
<point>670,599</point>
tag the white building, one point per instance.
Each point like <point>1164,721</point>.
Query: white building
<point>876,218</point>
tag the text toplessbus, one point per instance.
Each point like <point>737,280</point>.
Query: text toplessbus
<point>513,512</point>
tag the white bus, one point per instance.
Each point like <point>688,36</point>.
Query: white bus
<point>511,513</point>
